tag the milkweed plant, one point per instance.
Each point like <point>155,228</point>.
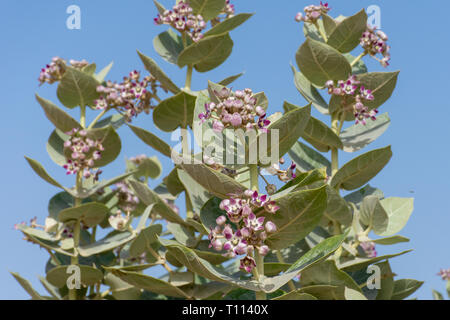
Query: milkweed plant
<point>267,215</point>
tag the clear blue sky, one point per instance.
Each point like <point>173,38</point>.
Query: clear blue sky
<point>33,32</point>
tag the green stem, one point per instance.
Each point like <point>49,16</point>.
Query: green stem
<point>254,185</point>
<point>354,62</point>
<point>83,116</point>
<point>334,151</point>
<point>190,67</point>
<point>324,36</point>
<point>99,116</point>
<point>74,259</point>
<point>189,77</point>
<point>259,259</point>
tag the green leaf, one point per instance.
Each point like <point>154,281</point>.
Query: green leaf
<point>27,286</point>
<point>149,283</point>
<point>77,88</point>
<point>373,214</point>
<point>230,79</point>
<point>159,7</point>
<point>197,194</point>
<point>355,264</point>
<point>108,243</point>
<point>382,85</point>
<point>50,288</point>
<point>55,147</point>
<point>317,133</point>
<point>89,69</point>
<point>358,196</point>
<point>358,136</point>
<point>228,24</point>
<point>90,214</point>
<point>347,34</point>
<point>313,256</point>
<point>208,9</point>
<point>148,197</point>
<point>168,45</point>
<point>310,31</point>
<point>149,167</point>
<point>207,54</point>
<point>362,169</point>
<point>326,273</point>
<point>184,235</point>
<point>173,183</point>
<point>329,24</point>
<point>308,159</point>
<point>309,92</point>
<point>210,212</point>
<point>58,117</point>
<point>213,181</point>
<point>144,239</point>
<point>337,207</point>
<point>144,217</point>
<point>320,62</point>
<point>58,276</point>
<point>294,295</point>
<point>156,71</point>
<point>359,67</point>
<point>403,288</point>
<point>174,112</point>
<point>275,268</point>
<point>194,263</point>
<point>321,136</point>
<point>209,254</point>
<point>398,210</point>
<point>87,192</point>
<point>386,281</point>
<point>103,73</point>
<point>352,294</point>
<point>390,240</point>
<point>300,212</point>
<point>115,121</point>
<point>120,289</point>
<point>58,202</point>
<point>290,127</point>
<point>40,171</point>
<point>107,135</point>
<point>324,292</point>
<point>437,295</point>
<point>110,141</point>
<point>152,140</point>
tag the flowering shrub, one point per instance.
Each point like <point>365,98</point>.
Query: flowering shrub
<point>312,236</point>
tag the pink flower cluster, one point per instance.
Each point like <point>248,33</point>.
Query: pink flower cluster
<point>251,232</point>
<point>352,88</point>
<point>313,13</point>
<point>83,151</point>
<point>128,201</point>
<point>283,175</point>
<point>182,19</point>
<point>444,274</point>
<point>237,110</point>
<point>369,249</point>
<point>55,70</point>
<point>375,42</point>
<point>130,97</point>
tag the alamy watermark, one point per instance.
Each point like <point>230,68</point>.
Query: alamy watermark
<point>74,19</point>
